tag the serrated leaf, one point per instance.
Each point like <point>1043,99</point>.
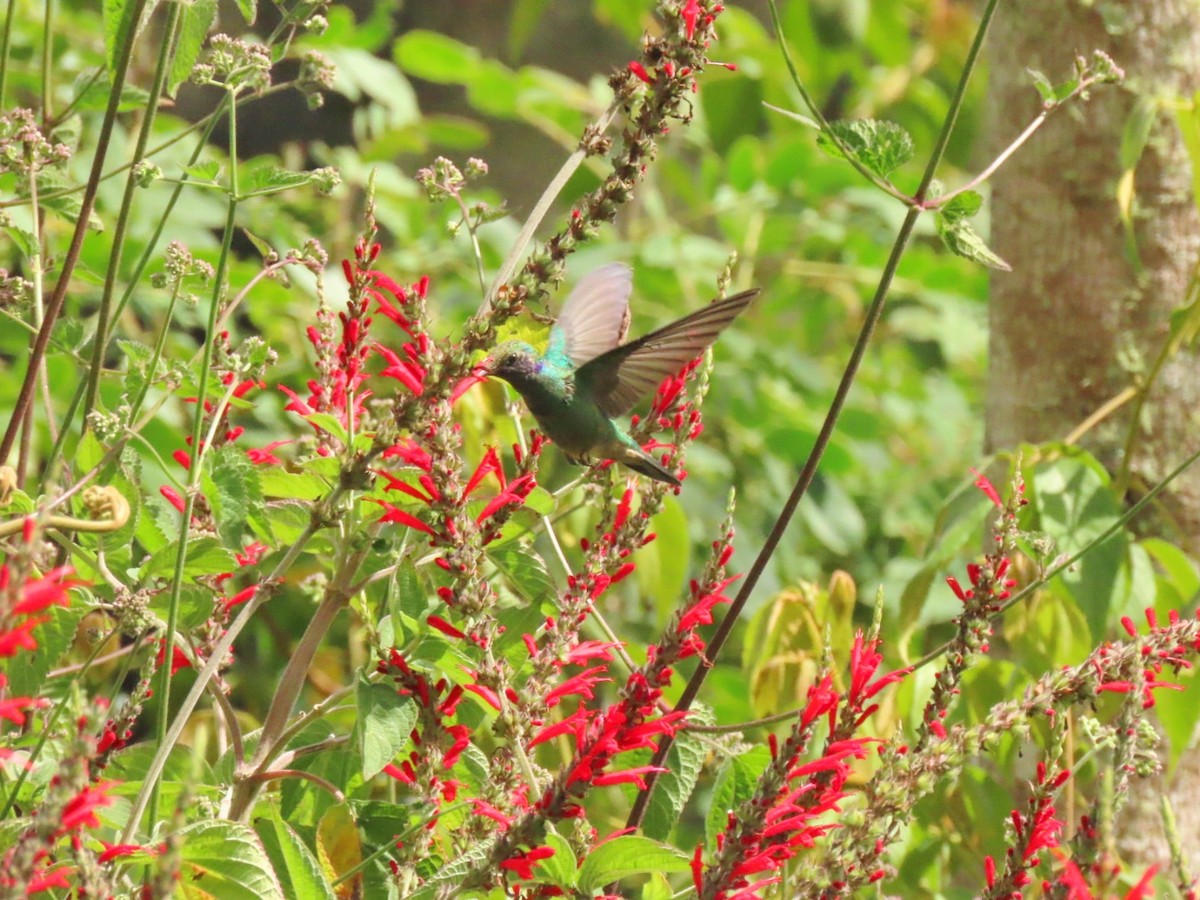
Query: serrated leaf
<point>735,782</point>
<point>674,787</point>
<point>197,18</point>
<point>54,638</point>
<point>385,724</point>
<point>630,854</point>
<point>205,556</point>
<point>285,485</point>
<point>207,171</point>
<point>526,572</point>
<point>219,858</point>
<point>962,206</point>
<point>295,865</point>
<point>260,180</point>
<point>1044,85</point>
<point>282,521</point>
<point>963,240</point>
<point>879,145</point>
<point>230,484</point>
<point>24,240</point>
<point>114,13</point>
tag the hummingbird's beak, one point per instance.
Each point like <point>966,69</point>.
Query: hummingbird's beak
<point>484,368</point>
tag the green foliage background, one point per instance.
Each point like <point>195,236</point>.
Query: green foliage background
<point>892,505</point>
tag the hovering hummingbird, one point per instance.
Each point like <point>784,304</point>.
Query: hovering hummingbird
<point>587,376</point>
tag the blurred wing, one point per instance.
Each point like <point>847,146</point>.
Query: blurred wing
<point>624,375</point>
<point>596,315</point>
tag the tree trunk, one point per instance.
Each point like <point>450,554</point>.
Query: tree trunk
<point>1081,313</point>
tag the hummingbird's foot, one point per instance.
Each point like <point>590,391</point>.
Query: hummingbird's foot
<point>577,460</point>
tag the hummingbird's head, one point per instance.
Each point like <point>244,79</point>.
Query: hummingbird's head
<point>511,360</point>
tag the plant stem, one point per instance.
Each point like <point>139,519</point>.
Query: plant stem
<point>198,449</point>
<point>103,316</point>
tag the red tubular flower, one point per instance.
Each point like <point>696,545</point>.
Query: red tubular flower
<point>19,637</point>
<point>690,13</point>
<point>988,489</point>
<point>444,627</point>
<point>396,514</point>
<point>49,590</point>
<point>14,707</point>
<point>80,810</point>
<point>179,659</point>
<point>523,863</point>
<point>263,455</point>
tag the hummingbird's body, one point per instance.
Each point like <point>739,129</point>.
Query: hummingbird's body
<point>586,376</point>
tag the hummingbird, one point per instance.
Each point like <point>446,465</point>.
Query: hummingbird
<point>587,377</point>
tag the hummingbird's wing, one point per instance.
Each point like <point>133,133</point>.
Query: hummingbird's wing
<point>625,374</point>
<point>595,317</point>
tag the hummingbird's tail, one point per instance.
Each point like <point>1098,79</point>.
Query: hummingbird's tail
<point>645,464</point>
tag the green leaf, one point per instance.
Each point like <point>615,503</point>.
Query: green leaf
<point>526,572</point>
<point>1178,568</point>
<point>248,9</point>
<point>1136,132</point>
<point>1044,85</point>
<point>208,171</point>
<point>795,116</point>
<point>879,145</point>
<point>662,567</point>
<point>630,854</point>
<point>54,638</point>
<point>329,424</point>
<point>562,868</point>
<point>958,235</point>
<point>522,23</point>
<point>24,240</point>
<point>657,888</point>
<point>114,13</point>
<point>385,724</point>
<point>294,864</point>
<point>834,517</point>
<point>1075,504</point>
<point>198,17</point>
<point>285,485</point>
<point>435,57</point>
<point>230,484</point>
<point>92,93</point>
<point>225,859</point>
<point>735,782</point>
<point>260,180</point>
<point>205,556</point>
<point>685,762</point>
<point>962,206</point>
